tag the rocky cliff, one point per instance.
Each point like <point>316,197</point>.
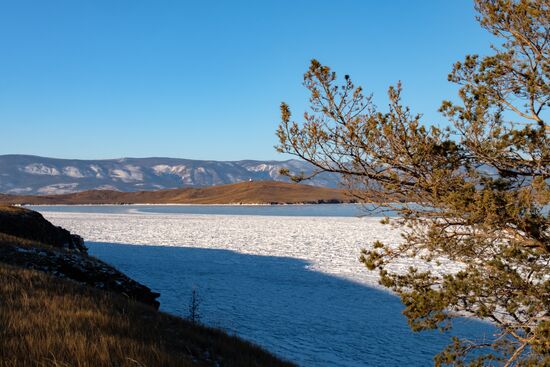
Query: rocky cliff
<point>29,241</point>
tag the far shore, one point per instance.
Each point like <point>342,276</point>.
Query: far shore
<point>245,193</point>
<point>187,204</point>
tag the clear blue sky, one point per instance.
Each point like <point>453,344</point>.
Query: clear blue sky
<point>204,79</point>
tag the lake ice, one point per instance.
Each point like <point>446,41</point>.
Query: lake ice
<point>292,284</point>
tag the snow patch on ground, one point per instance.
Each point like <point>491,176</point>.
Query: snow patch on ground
<point>164,168</point>
<point>128,174</point>
<point>97,170</point>
<point>19,190</point>
<point>179,170</point>
<point>40,169</point>
<point>72,172</point>
<point>58,189</point>
<point>272,170</point>
<point>107,187</point>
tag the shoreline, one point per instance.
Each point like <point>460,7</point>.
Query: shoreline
<point>191,204</point>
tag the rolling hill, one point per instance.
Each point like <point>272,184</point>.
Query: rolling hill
<point>258,192</point>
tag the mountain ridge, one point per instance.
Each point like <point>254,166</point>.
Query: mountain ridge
<point>35,175</point>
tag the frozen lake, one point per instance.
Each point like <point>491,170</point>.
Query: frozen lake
<point>317,210</point>
<point>290,282</point>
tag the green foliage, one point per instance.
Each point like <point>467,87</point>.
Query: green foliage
<point>479,188</point>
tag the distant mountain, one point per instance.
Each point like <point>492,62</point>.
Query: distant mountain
<point>32,175</point>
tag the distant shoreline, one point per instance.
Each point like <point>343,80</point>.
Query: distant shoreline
<point>245,193</point>
<point>185,204</point>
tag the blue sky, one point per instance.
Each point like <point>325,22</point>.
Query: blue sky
<point>204,79</point>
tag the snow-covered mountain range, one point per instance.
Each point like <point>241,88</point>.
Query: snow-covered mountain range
<point>25,174</point>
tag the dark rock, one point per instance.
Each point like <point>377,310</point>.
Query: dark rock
<point>35,243</point>
<point>78,267</point>
<point>30,225</point>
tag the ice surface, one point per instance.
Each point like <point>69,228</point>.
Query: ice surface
<point>332,245</point>
<point>291,284</point>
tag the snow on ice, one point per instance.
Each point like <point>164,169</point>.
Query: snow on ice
<point>294,285</point>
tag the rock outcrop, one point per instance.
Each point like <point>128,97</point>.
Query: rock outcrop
<point>29,241</point>
<point>30,225</point>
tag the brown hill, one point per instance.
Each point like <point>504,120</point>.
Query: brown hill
<point>260,192</point>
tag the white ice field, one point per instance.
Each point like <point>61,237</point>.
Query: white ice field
<point>291,284</point>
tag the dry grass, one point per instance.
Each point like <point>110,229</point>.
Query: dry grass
<point>259,192</point>
<point>11,209</point>
<point>46,321</point>
<point>50,321</point>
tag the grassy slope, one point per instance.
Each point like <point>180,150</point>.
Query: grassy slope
<point>46,321</point>
<point>259,192</point>
<point>49,321</point>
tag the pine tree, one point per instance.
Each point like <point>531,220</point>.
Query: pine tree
<point>480,188</point>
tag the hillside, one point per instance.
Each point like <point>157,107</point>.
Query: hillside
<point>260,192</point>
<point>32,175</point>
<point>61,307</point>
<point>28,240</point>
